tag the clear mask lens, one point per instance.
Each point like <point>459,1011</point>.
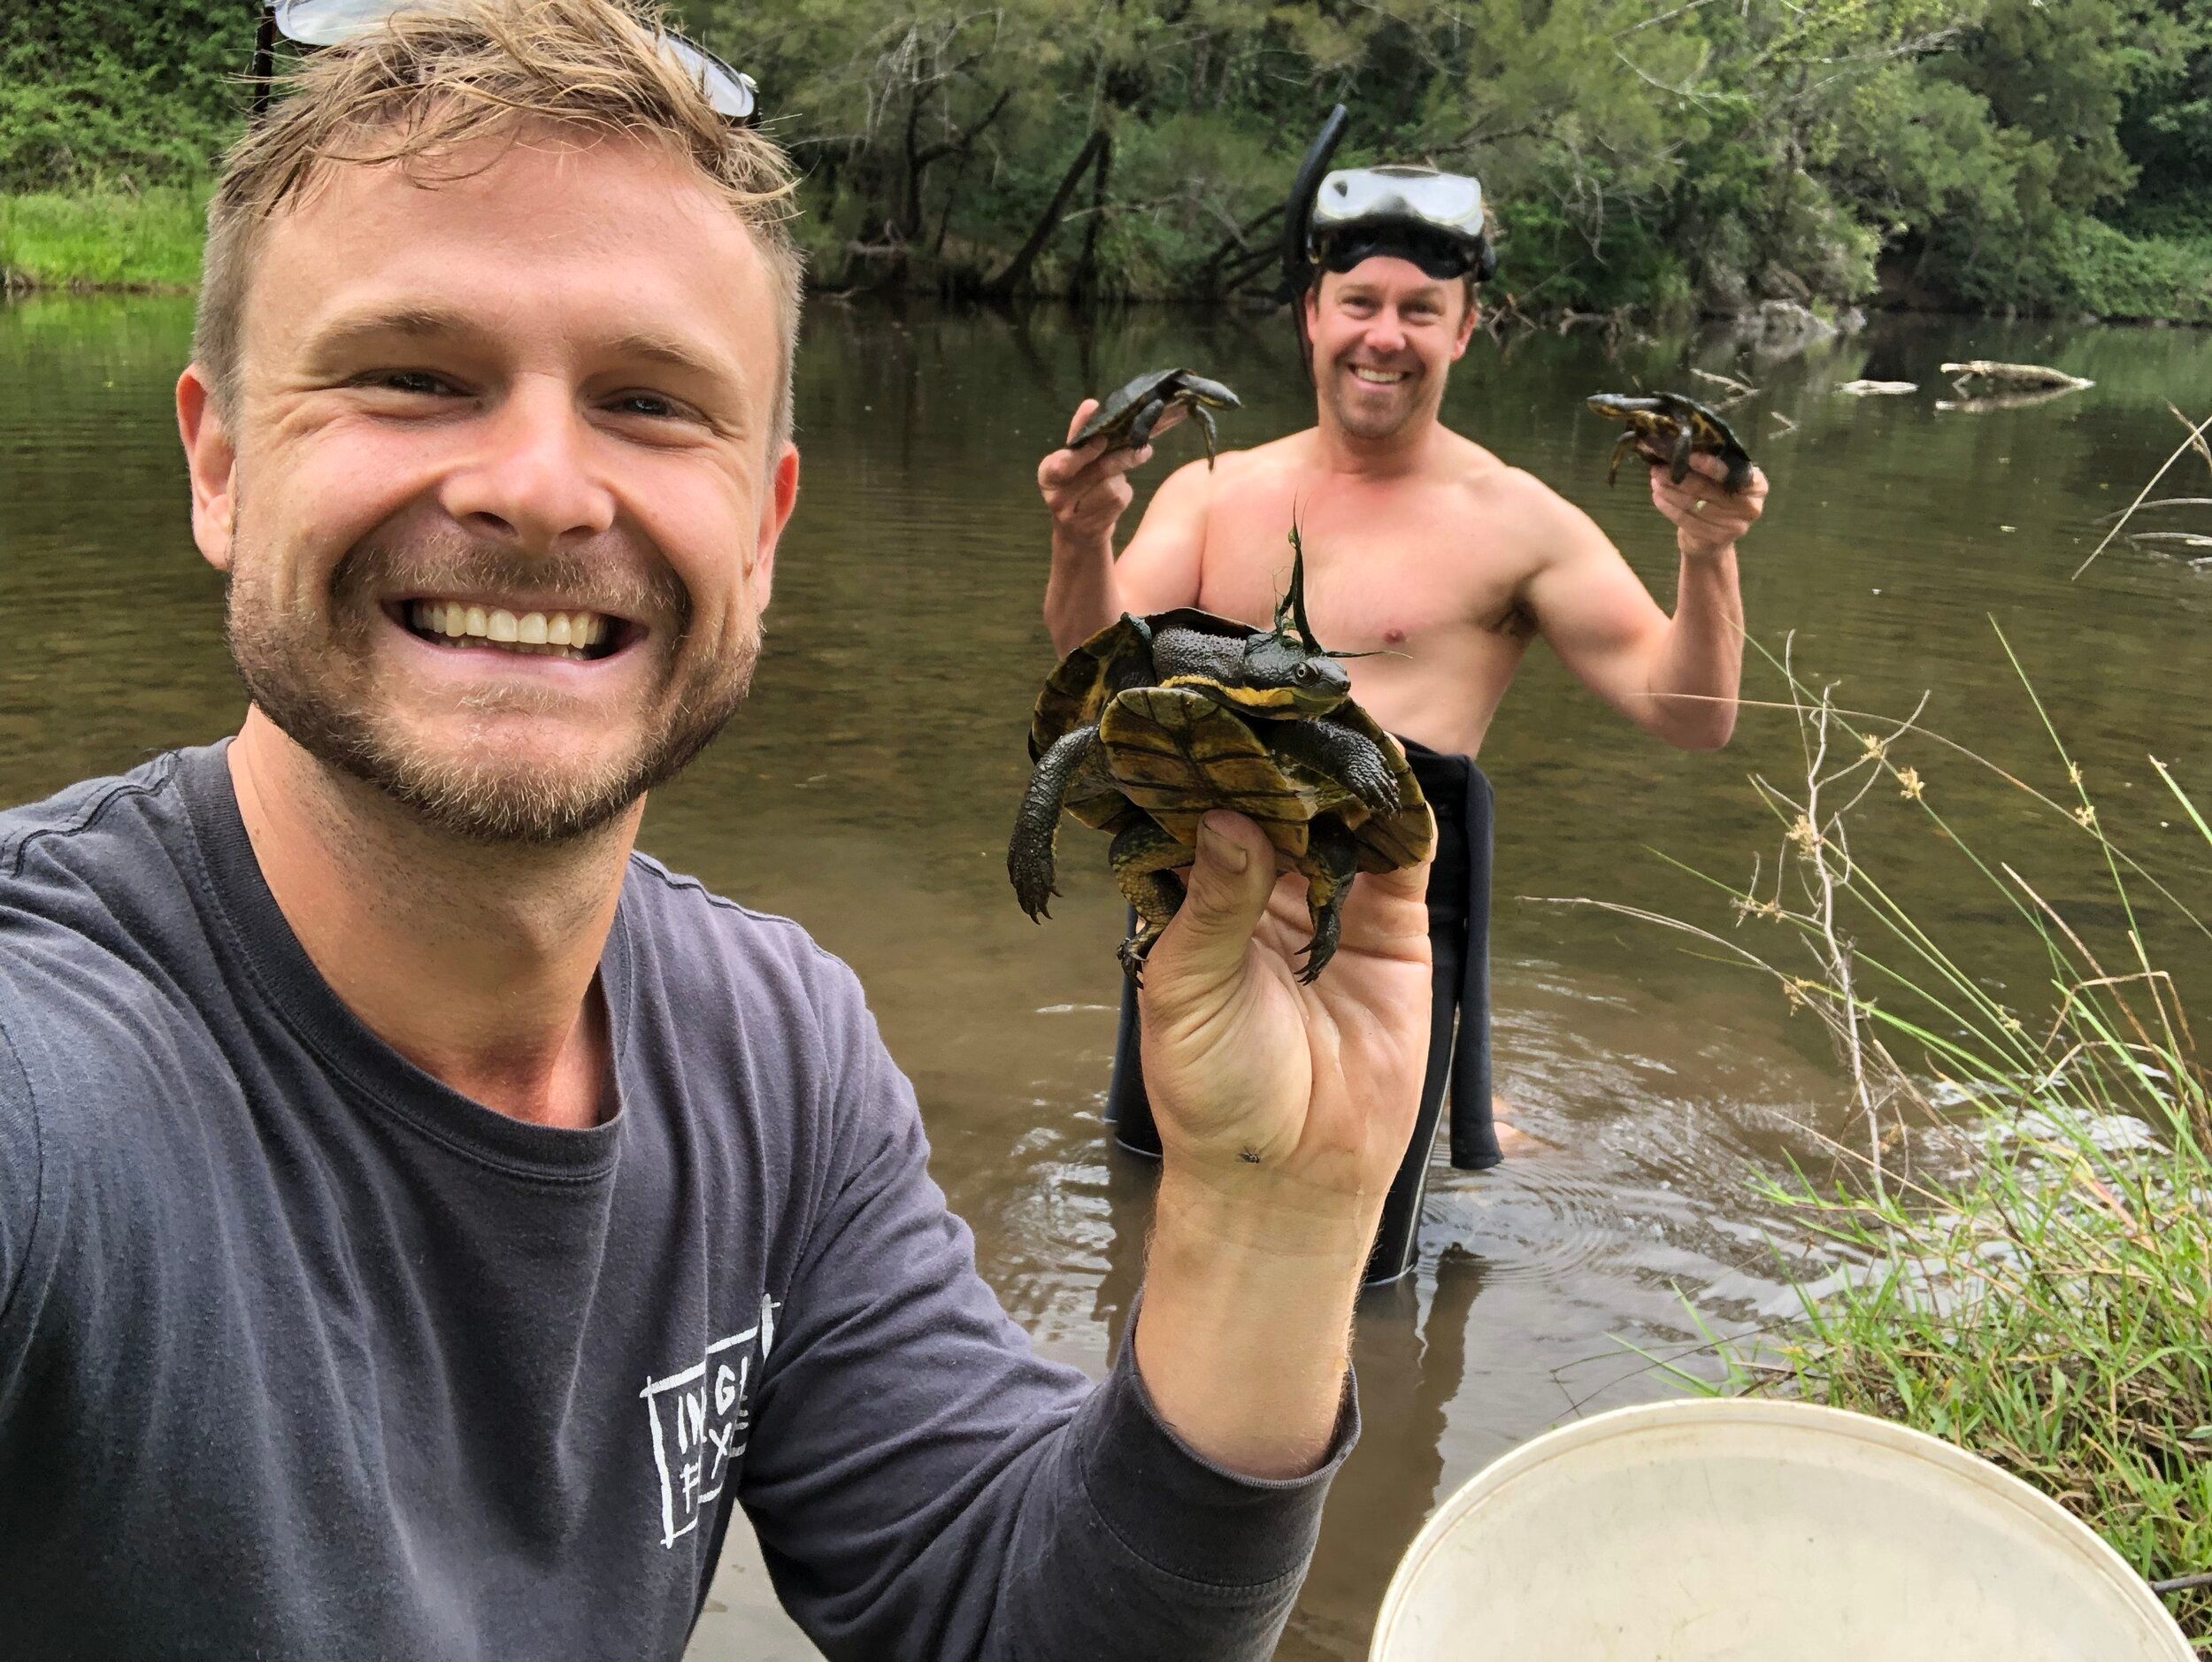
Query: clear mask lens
<point>327,22</point>
<point>1449,201</point>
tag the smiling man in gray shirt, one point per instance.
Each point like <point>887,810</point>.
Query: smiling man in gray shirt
<point>422,1217</point>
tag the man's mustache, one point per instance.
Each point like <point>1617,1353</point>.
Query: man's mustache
<point>382,568</point>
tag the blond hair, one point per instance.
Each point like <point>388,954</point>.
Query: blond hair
<point>428,83</point>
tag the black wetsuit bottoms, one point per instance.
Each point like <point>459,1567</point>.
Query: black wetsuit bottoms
<point>1459,1012</point>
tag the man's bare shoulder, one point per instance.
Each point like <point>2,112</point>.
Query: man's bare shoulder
<point>1234,476</point>
<point>1517,502</point>
<point>1261,465</point>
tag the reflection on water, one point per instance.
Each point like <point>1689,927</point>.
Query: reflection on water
<point>868,790</point>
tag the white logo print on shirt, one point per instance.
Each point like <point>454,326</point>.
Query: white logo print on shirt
<point>698,1420</point>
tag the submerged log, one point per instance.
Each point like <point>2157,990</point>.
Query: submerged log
<point>1742,389</point>
<point>2022,375</point>
<point>2006,400</point>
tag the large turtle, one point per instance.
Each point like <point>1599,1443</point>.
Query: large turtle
<point>1127,417</point>
<point>1154,720</point>
<point>1667,429</point>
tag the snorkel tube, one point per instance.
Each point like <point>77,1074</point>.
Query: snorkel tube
<point>1298,270</point>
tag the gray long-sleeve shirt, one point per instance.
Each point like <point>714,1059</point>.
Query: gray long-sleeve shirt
<point>304,1355</point>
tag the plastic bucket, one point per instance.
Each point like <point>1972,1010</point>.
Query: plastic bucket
<point>1731,1529</point>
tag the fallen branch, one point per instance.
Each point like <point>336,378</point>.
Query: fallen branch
<point>2012,375</point>
<point>1866,389</point>
<point>1740,389</point>
<point>2006,400</point>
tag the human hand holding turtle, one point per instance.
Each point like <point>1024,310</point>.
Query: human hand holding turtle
<point>1707,515</point>
<point>1085,483</point>
<point>1702,479</point>
<point>1259,1073</point>
<point>1284,1107</point>
<point>1085,486</point>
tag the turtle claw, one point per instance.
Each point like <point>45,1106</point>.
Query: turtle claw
<point>1321,949</point>
<point>1373,783</point>
<point>1380,794</point>
<point>1133,953</point>
<point>1034,893</point>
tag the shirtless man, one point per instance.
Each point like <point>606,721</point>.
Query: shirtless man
<point>1426,548</point>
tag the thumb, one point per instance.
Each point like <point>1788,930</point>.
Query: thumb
<point>1226,896</point>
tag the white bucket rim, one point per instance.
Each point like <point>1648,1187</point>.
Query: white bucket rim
<point>2096,1553</point>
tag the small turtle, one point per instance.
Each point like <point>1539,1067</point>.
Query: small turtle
<point>1666,429</point>
<point>1154,720</point>
<point>1127,417</point>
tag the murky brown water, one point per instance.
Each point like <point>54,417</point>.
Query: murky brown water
<point>868,789</point>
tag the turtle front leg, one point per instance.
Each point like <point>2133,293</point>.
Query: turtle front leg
<point>1144,860</point>
<point>1029,860</point>
<point>1141,429</point>
<point>1206,426</point>
<point>1627,443</point>
<point>1679,463</point>
<point>1332,862</point>
<point>1343,753</point>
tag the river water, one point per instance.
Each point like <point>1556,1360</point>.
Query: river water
<point>868,789</point>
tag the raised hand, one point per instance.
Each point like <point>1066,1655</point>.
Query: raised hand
<point>1706,518</point>
<point>1317,1086</point>
<point>1088,489</point>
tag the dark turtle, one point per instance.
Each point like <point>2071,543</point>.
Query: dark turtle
<point>1667,429</point>
<point>1127,417</point>
<point>1154,720</point>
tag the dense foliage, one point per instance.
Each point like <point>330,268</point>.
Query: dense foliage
<point>2042,154</point>
<point>96,95</point>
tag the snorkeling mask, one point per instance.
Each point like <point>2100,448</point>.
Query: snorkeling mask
<point>307,24</point>
<point>1332,223</point>
<point>1433,219</point>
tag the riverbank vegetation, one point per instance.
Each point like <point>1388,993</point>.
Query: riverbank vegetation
<point>2017,1255</point>
<point>146,238</point>
<point>2039,155</point>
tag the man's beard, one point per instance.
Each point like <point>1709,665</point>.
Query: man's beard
<point>315,685</point>
<point>1362,423</point>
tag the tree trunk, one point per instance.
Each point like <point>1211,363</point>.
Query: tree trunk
<point>1003,286</point>
<point>1087,268</point>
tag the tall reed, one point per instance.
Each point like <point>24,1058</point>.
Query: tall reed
<point>2015,1251</point>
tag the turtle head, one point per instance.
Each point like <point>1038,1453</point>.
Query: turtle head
<point>1284,671</point>
<point>1279,675</point>
<point>1616,406</point>
<point>1210,393</point>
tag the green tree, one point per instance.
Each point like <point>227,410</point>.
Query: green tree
<point>95,94</point>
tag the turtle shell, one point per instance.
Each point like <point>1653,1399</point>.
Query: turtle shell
<point>1119,405</point>
<point>1708,430</point>
<point>1708,434</point>
<point>1172,754</point>
<point>1116,658</point>
<point>1175,754</point>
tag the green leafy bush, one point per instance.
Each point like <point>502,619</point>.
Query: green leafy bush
<point>1636,153</point>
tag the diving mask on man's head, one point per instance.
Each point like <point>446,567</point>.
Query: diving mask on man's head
<point>1433,219</point>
